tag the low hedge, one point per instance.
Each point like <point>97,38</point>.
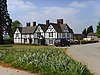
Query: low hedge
<point>84,42</point>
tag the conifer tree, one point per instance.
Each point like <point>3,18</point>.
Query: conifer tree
<point>5,21</point>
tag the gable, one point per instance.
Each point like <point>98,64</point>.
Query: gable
<point>39,29</point>
<point>50,29</point>
<point>17,31</point>
<point>65,29</point>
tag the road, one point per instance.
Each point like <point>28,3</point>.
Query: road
<point>12,71</point>
<point>88,54</point>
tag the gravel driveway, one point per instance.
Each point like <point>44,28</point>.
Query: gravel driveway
<point>88,54</point>
<point>11,71</point>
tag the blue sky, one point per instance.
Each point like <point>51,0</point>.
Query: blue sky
<point>78,14</point>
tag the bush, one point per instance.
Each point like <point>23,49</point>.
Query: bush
<point>6,39</point>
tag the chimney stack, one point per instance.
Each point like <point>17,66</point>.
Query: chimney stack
<point>28,24</point>
<point>59,21</point>
<point>47,22</point>
<point>34,23</point>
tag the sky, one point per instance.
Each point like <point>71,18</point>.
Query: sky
<point>78,14</point>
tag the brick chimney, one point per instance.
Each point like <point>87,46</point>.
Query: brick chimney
<point>47,22</point>
<point>28,24</point>
<point>59,21</point>
<point>34,23</point>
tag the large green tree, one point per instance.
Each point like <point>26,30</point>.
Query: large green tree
<point>84,33</point>
<point>98,30</point>
<point>5,21</point>
<point>14,25</point>
<point>90,29</point>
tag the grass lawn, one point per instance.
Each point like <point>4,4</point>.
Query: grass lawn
<point>45,60</point>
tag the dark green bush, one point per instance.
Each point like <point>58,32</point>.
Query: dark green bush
<point>7,41</point>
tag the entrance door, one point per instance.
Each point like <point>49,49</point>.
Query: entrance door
<point>43,41</point>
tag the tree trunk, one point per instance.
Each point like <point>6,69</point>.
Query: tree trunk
<point>1,39</point>
<point>1,36</point>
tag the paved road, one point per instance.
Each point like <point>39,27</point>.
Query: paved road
<point>88,54</point>
<point>11,71</point>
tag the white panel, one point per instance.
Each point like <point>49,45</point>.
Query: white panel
<point>39,29</point>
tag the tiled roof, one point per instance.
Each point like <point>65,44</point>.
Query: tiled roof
<point>78,35</point>
<point>60,27</point>
<point>20,29</point>
<point>43,27</point>
<point>92,34</point>
<point>29,29</point>
<point>57,27</point>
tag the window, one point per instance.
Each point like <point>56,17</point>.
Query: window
<point>25,40</point>
<point>50,41</point>
<point>25,35</point>
<point>39,41</point>
<point>38,34</point>
<point>63,34</point>
<point>51,34</point>
<point>68,35</point>
<point>17,35</point>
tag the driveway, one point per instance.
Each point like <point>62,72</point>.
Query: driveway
<point>88,54</point>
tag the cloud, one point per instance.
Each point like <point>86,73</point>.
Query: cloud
<point>27,11</point>
<point>77,4</point>
<point>77,14</point>
<point>59,11</point>
<point>20,6</point>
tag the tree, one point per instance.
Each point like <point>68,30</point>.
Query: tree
<point>98,30</point>
<point>90,30</point>
<point>14,25</point>
<point>84,32</point>
<point>5,21</point>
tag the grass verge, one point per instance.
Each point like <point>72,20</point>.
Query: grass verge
<point>42,59</point>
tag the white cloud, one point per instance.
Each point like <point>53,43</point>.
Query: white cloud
<point>26,11</point>
<point>20,6</point>
<point>73,14</point>
<point>60,11</point>
<point>77,4</point>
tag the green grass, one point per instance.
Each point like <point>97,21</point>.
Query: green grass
<point>46,60</point>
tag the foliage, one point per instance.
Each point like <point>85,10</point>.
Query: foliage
<point>5,21</point>
<point>84,32</point>
<point>98,30</point>
<point>14,25</point>
<point>90,30</point>
<point>44,60</point>
<point>6,39</point>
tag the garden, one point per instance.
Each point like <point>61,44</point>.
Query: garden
<point>43,60</point>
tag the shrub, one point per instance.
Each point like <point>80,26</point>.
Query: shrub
<point>7,39</point>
